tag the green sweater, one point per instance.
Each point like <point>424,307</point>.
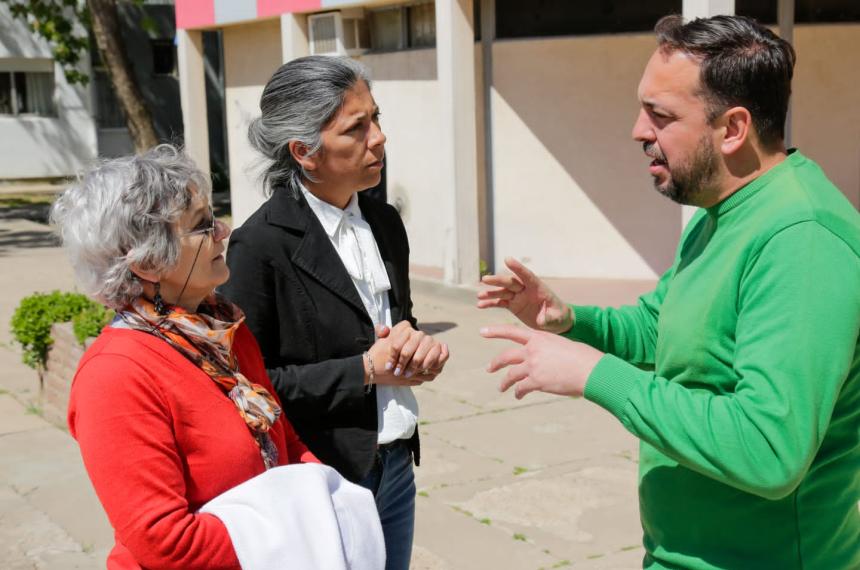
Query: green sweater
<point>750,421</point>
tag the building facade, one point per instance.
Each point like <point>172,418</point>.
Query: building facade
<point>509,122</point>
<point>51,129</point>
<point>47,128</point>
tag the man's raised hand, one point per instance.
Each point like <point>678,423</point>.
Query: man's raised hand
<point>527,297</point>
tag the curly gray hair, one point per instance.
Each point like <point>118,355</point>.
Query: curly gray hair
<point>299,99</point>
<point>123,212</point>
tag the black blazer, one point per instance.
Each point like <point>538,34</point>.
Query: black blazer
<point>312,327</point>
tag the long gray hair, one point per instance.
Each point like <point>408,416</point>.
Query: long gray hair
<point>123,212</point>
<point>297,102</point>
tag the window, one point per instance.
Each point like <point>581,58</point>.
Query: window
<point>518,19</point>
<point>815,11</point>
<point>6,94</point>
<point>323,34</point>
<point>422,25</point>
<point>386,30</point>
<point>107,110</point>
<point>805,11</point>
<point>403,27</point>
<point>163,57</point>
<point>356,36</point>
<point>27,93</point>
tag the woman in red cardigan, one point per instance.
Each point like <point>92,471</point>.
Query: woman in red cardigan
<point>171,405</point>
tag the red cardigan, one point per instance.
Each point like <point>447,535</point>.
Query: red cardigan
<point>159,439</point>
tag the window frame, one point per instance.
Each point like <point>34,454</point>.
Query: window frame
<point>404,40</point>
<point>13,93</point>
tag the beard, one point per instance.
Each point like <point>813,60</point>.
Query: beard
<point>688,179</point>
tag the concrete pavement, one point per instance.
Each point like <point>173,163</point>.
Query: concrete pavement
<point>49,515</point>
<point>545,482</point>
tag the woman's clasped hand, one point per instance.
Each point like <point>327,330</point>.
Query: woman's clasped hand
<point>402,355</point>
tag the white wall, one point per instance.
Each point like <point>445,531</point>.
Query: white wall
<point>252,53</point>
<point>826,102</point>
<point>43,147</point>
<point>407,92</point>
<point>572,193</point>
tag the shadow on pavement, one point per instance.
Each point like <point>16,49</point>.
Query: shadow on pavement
<point>437,327</point>
<point>11,240</point>
<point>33,212</point>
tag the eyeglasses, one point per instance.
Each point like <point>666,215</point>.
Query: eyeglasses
<point>207,226</point>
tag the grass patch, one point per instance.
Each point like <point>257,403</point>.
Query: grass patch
<point>485,521</point>
<point>631,547</point>
<point>520,536</point>
<point>593,556</point>
<point>24,200</point>
<point>520,470</point>
<point>561,564</point>
<point>462,511</point>
<point>423,494</point>
<point>33,409</point>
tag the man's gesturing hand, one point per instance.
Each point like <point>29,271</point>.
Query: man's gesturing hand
<point>527,297</point>
<point>542,361</point>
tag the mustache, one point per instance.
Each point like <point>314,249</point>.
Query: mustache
<point>650,149</point>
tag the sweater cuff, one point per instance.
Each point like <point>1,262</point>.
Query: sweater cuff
<point>585,324</point>
<point>610,383</point>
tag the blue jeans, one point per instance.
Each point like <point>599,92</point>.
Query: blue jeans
<point>392,483</point>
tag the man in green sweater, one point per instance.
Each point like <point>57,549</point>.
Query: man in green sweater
<point>740,372</point>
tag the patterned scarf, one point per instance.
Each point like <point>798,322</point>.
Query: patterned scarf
<point>206,339</point>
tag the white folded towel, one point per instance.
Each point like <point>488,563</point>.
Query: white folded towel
<point>301,517</point>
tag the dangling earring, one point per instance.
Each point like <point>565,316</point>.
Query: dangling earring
<point>158,300</point>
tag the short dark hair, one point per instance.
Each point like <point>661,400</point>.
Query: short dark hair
<point>742,64</point>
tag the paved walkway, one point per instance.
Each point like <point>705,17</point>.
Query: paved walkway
<point>546,482</point>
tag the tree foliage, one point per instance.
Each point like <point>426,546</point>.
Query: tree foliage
<point>63,24</point>
<point>66,25</point>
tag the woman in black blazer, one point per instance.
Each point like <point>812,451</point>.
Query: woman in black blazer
<point>321,273</point>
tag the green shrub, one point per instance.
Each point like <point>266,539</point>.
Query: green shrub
<point>32,320</point>
<point>91,321</point>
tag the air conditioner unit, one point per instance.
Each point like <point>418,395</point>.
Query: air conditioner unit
<point>338,33</point>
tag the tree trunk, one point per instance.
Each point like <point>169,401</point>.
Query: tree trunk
<point>106,29</point>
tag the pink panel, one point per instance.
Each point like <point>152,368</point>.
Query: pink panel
<point>266,8</point>
<point>192,14</point>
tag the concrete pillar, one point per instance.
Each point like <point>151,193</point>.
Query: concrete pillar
<point>703,9</point>
<point>485,199</point>
<point>192,94</point>
<point>707,8</point>
<point>455,53</point>
<point>294,36</point>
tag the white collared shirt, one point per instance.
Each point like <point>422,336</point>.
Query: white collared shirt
<point>352,238</point>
